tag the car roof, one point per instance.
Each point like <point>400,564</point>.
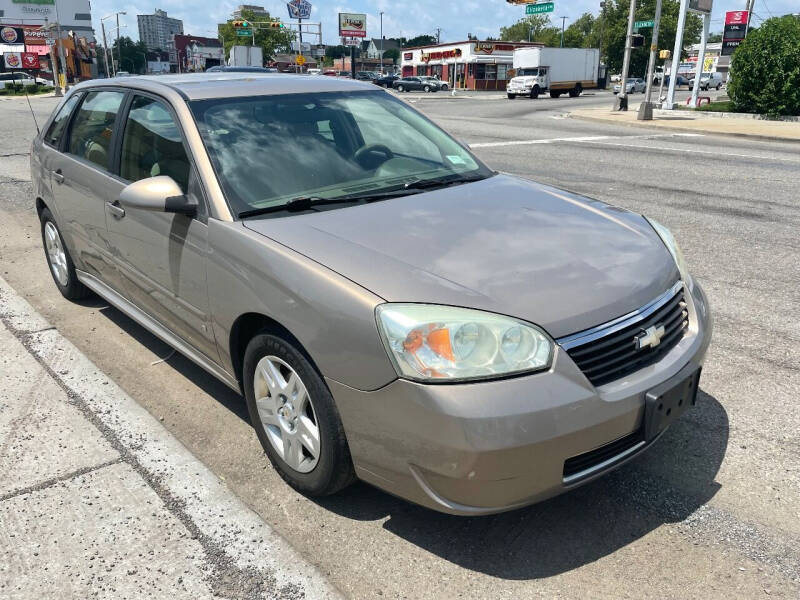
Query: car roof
<point>202,86</point>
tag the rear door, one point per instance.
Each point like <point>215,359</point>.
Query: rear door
<point>82,181</point>
<point>162,256</point>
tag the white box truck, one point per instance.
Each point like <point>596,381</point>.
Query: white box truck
<point>555,70</point>
<point>246,56</point>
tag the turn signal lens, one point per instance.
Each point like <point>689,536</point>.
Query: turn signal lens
<point>435,343</point>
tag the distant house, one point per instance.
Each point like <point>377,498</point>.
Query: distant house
<point>373,46</point>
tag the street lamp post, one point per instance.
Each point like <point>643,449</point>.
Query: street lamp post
<point>563,20</point>
<point>116,14</point>
<point>381,42</point>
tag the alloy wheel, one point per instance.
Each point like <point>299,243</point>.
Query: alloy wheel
<point>287,414</point>
<point>56,254</point>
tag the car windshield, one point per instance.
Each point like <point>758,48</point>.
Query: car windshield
<point>268,150</point>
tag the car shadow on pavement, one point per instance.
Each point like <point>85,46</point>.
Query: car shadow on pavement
<point>177,361</point>
<point>666,484</point>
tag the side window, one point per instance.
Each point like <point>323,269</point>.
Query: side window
<point>152,144</point>
<point>90,134</point>
<point>58,125</point>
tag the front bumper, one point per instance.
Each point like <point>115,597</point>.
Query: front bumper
<point>487,447</point>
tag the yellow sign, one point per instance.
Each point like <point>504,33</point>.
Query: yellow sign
<point>300,60</point>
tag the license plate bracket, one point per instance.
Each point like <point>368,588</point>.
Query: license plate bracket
<point>668,401</point>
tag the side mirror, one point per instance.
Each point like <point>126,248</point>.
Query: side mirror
<point>159,194</point>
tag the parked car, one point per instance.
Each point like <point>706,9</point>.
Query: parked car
<point>425,84</point>
<point>632,85</point>
<point>710,80</point>
<point>468,340</point>
<point>314,71</point>
<point>386,81</point>
<point>232,69</point>
<point>16,77</point>
<point>366,75</point>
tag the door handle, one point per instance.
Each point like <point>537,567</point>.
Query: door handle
<point>58,176</point>
<point>115,209</point>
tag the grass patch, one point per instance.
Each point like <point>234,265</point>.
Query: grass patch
<point>17,90</point>
<point>717,107</point>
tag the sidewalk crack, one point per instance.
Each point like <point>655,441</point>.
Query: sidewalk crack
<point>58,479</point>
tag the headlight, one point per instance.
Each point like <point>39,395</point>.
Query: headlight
<point>443,343</point>
<point>669,241</point>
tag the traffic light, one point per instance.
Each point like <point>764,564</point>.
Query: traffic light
<point>241,24</point>
<point>637,40</point>
<point>276,25</point>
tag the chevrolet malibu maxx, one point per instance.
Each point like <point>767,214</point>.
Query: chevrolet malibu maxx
<point>391,308</point>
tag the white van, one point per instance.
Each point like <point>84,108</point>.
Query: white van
<point>711,80</point>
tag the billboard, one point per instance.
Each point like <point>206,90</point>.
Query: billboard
<point>734,31</point>
<point>352,25</point>
<point>13,60</point>
<point>700,6</point>
<point>12,35</point>
<point>30,60</point>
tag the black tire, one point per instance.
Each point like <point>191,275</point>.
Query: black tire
<point>719,85</point>
<point>511,96</point>
<point>555,94</point>
<point>535,92</point>
<point>334,470</point>
<point>576,91</point>
<point>73,289</point>
<point>426,89</point>
<point>384,85</point>
<point>400,88</point>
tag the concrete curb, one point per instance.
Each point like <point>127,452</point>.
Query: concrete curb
<point>650,125</point>
<point>236,541</point>
<point>708,114</point>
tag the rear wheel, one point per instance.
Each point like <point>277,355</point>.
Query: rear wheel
<point>400,88</point>
<point>576,91</point>
<point>426,89</point>
<point>719,85</point>
<point>295,417</point>
<point>60,262</point>
<point>511,96</point>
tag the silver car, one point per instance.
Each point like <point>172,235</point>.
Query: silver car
<point>632,85</point>
<point>391,308</point>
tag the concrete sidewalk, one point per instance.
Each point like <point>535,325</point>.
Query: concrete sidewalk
<point>685,120</point>
<point>98,500</point>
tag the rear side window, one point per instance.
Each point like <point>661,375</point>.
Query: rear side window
<point>90,134</point>
<point>58,125</point>
<point>152,144</point>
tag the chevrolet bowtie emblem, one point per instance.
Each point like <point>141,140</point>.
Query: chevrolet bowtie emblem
<point>650,337</point>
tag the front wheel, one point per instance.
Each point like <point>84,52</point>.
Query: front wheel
<point>295,417</point>
<point>60,262</point>
<point>535,93</point>
<point>426,89</point>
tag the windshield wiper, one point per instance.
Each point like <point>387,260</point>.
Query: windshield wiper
<point>298,204</point>
<point>421,184</point>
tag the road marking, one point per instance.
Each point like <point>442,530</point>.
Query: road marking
<point>593,138</point>
<point>692,150</point>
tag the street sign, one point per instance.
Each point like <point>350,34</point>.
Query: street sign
<point>535,9</point>
<point>643,24</point>
<point>299,9</point>
<point>300,60</point>
<point>244,32</point>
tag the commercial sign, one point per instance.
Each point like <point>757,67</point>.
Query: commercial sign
<point>489,48</point>
<point>351,41</point>
<point>700,6</point>
<point>535,9</point>
<point>408,56</point>
<point>734,32</point>
<point>299,9</point>
<point>353,25</point>
<point>12,35</point>
<point>440,55</point>
<point>30,60</point>
<point>13,60</point>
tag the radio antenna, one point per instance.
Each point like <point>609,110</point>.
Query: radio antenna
<point>33,114</point>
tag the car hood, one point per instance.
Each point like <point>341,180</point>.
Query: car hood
<point>503,244</point>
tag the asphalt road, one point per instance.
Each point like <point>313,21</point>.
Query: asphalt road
<point>712,510</point>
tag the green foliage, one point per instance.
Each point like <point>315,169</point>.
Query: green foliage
<point>32,88</point>
<point>129,55</point>
<point>271,39</point>
<point>714,38</point>
<point>534,28</point>
<point>393,54</point>
<point>717,107</point>
<point>765,69</point>
<point>420,40</point>
<point>335,52</point>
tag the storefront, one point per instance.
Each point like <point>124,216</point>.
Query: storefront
<point>469,65</point>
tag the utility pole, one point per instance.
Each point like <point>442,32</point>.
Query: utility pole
<point>621,103</point>
<point>381,42</point>
<point>701,59</point>
<point>750,4</point>
<point>646,108</point>
<point>676,56</point>
<point>105,50</point>
<point>563,20</point>
<point>438,35</point>
<point>602,30</point>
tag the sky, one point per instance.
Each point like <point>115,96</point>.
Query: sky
<point>408,18</point>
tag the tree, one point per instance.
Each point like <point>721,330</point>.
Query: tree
<point>534,28</point>
<point>271,39</point>
<point>335,52</point>
<point>393,54</point>
<point>714,38</point>
<point>420,40</point>
<point>765,69</point>
<point>583,33</point>
<point>129,55</point>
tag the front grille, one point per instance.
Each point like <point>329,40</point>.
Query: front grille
<point>589,460</point>
<point>610,352</point>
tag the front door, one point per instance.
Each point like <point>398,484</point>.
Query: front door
<point>82,182</point>
<point>162,256</point>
